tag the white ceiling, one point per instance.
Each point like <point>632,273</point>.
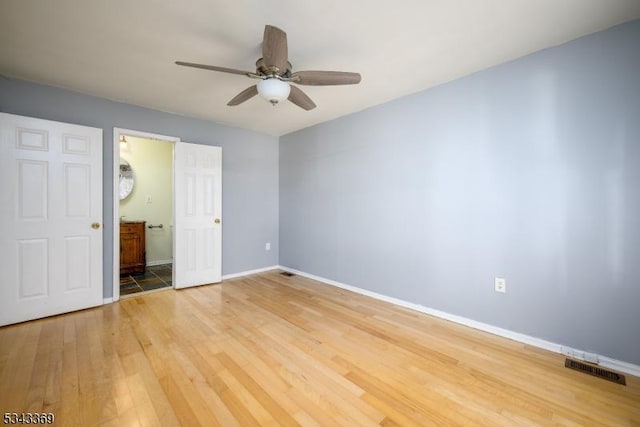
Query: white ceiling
<point>125,49</point>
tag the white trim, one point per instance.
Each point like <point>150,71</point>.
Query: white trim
<point>604,361</point>
<point>249,272</point>
<point>161,262</point>
<point>619,365</point>
<point>107,301</point>
<point>116,197</point>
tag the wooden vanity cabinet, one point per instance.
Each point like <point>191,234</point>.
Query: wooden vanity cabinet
<point>133,257</point>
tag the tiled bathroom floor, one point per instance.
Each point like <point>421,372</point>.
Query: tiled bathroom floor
<point>155,277</point>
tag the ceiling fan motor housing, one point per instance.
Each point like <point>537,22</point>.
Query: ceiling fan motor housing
<point>263,69</point>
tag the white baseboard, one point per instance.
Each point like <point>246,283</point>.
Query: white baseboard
<point>249,272</point>
<point>619,365</point>
<point>161,262</point>
<point>604,361</point>
<point>107,300</point>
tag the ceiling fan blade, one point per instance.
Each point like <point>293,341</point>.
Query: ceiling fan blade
<point>301,99</point>
<point>246,94</point>
<point>325,78</point>
<point>214,68</point>
<point>274,48</point>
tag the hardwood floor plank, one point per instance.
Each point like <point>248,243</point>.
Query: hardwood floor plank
<point>18,369</point>
<point>34,401</point>
<point>274,350</point>
<point>69,414</point>
<point>263,397</point>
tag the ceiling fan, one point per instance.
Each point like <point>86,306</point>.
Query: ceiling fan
<point>275,75</point>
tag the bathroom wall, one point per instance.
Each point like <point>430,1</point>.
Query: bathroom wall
<point>152,197</point>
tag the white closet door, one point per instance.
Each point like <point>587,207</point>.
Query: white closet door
<point>198,216</point>
<point>50,218</point>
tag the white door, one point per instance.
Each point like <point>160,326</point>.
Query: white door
<point>198,216</point>
<point>50,218</point>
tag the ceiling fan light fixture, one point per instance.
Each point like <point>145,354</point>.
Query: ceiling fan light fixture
<point>273,90</point>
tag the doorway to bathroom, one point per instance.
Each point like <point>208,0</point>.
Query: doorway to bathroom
<point>145,206</point>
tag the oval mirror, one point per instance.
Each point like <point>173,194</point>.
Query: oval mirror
<point>126,179</point>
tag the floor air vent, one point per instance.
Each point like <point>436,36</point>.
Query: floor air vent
<point>286,273</point>
<point>595,371</point>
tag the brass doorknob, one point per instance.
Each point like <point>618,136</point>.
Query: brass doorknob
<point>217,220</point>
<point>95,225</point>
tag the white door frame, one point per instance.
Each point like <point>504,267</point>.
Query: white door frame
<point>117,132</point>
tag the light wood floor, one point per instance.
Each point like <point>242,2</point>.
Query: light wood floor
<point>270,350</point>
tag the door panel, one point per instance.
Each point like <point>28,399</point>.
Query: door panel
<point>50,195</point>
<point>33,262</point>
<point>32,190</point>
<point>198,204</point>
<point>77,184</point>
<point>77,250</point>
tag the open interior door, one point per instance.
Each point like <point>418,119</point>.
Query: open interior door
<point>198,216</point>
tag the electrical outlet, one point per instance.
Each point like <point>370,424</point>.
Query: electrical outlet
<point>500,284</point>
<point>267,246</point>
<point>149,201</point>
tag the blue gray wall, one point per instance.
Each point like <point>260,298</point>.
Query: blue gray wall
<point>249,165</point>
<point>529,170</point>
